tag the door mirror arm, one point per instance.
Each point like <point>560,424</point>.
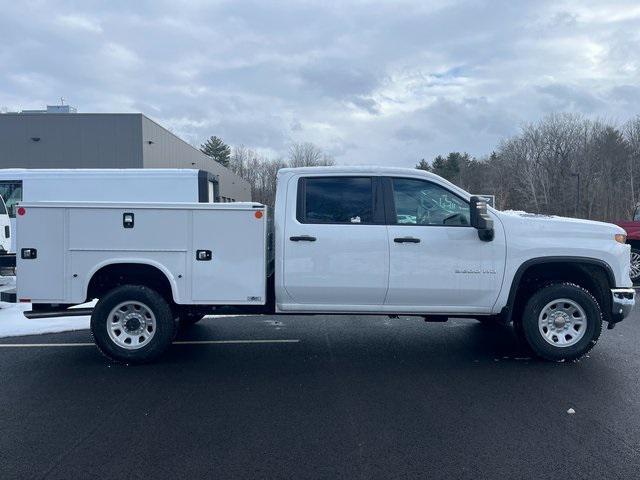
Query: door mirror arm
<point>480,218</point>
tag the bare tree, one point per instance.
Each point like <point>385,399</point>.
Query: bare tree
<point>261,172</point>
<point>565,164</point>
<point>308,155</point>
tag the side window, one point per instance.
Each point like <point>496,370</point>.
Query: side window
<point>11,192</point>
<point>419,202</point>
<point>335,200</point>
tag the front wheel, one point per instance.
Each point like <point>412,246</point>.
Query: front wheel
<point>132,324</point>
<point>562,321</point>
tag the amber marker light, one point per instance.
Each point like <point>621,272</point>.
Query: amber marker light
<point>620,237</point>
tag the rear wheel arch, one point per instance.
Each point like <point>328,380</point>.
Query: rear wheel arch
<point>106,277</point>
<point>595,275</point>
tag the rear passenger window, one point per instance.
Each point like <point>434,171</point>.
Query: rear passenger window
<point>335,200</point>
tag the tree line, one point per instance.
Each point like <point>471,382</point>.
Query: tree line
<point>564,164</point>
<point>259,170</point>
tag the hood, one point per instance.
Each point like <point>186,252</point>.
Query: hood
<point>545,224</point>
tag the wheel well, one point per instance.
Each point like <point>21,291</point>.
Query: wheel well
<point>111,276</point>
<point>593,277</point>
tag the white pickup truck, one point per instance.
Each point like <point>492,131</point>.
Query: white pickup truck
<point>366,240</point>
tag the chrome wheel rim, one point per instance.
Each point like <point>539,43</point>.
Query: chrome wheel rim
<point>562,322</point>
<point>635,265</point>
<point>131,325</point>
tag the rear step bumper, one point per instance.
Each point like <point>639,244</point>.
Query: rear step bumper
<point>70,312</point>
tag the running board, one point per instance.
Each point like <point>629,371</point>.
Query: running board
<point>72,312</point>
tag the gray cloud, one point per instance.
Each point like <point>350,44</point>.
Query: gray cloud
<point>371,83</point>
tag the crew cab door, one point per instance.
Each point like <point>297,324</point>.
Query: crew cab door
<point>437,261</point>
<point>336,251</point>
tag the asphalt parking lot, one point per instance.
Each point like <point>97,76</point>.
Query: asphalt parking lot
<point>343,397</point>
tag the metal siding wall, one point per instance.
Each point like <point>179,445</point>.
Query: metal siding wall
<point>170,151</point>
<point>70,140</point>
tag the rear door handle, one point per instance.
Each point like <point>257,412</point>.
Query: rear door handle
<point>302,238</point>
<point>406,240</point>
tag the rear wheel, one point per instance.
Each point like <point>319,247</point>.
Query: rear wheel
<point>634,271</point>
<point>561,321</point>
<point>132,324</point>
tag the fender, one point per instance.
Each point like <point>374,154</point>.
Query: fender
<point>507,311</point>
<point>122,261</point>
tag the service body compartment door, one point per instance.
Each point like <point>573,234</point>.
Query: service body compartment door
<point>229,256</point>
<point>42,278</point>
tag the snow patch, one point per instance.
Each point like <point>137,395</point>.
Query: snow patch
<point>13,323</point>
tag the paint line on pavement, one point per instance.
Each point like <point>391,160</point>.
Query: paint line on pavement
<point>215,342</point>
<point>184,342</point>
<point>34,345</point>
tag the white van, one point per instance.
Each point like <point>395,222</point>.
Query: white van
<point>100,185</point>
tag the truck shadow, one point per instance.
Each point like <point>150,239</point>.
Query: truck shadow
<point>369,342</point>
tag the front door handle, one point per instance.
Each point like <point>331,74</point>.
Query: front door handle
<point>406,240</point>
<point>302,238</point>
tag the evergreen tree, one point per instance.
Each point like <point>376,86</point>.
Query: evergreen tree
<point>215,148</point>
<point>423,165</point>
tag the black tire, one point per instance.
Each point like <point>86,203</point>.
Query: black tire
<point>635,265</point>
<point>591,328</point>
<point>187,319</point>
<point>163,330</point>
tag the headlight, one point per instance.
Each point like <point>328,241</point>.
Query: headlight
<point>620,238</point>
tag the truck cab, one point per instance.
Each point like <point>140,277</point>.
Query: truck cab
<point>368,240</point>
<point>348,240</point>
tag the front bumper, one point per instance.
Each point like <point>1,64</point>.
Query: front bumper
<point>622,302</point>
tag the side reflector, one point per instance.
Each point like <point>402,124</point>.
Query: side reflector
<point>258,214</point>
<point>25,300</point>
<point>21,211</point>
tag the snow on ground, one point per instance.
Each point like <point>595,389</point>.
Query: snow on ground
<point>13,323</point>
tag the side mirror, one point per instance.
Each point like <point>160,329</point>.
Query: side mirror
<point>480,219</point>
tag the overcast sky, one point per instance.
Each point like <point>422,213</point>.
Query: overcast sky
<point>369,82</point>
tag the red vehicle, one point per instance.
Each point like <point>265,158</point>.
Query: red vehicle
<point>632,227</point>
